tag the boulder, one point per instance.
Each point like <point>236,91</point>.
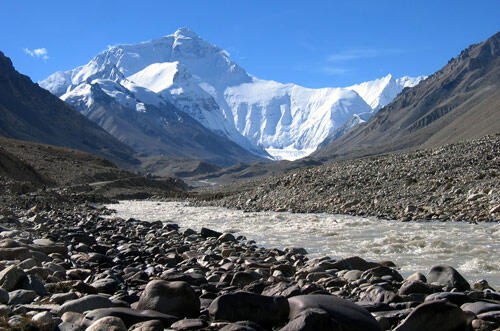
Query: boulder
<point>491,316</point>
<point>11,278</point>
<point>347,315</point>
<point>20,297</point>
<point>312,319</point>
<point>446,275</point>
<point>15,253</point>
<point>381,271</point>
<point>189,324</point>
<point>435,315</point>
<point>106,285</point>
<point>377,294</point>
<point>89,302</point>
<point>456,298</point>
<point>240,306</point>
<point>353,263</point>
<point>153,325</point>
<point>44,317</point>
<point>4,296</point>
<point>207,233</point>
<point>242,326</point>
<point>415,286</point>
<point>131,316</point>
<point>281,289</point>
<point>480,307</point>
<point>176,298</point>
<point>108,323</point>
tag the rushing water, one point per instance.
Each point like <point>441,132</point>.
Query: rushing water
<point>473,249</point>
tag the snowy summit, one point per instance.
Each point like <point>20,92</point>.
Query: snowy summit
<point>282,121</point>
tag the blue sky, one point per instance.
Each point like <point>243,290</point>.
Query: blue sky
<point>311,43</point>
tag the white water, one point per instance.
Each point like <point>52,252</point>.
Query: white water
<point>473,249</point>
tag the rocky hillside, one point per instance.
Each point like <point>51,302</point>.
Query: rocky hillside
<point>454,182</point>
<point>29,112</point>
<point>27,166</point>
<point>461,101</point>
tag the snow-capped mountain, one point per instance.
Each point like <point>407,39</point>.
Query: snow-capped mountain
<point>265,117</point>
<point>379,92</point>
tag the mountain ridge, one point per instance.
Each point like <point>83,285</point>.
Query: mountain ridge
<point>460,101</point>
<point>29,112</point>
<point>201,80</point>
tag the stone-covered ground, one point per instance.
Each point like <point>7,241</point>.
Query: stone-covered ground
<point>457,182</point>
<point>65,267</point>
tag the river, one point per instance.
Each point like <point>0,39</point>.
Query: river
<point>473,249</point>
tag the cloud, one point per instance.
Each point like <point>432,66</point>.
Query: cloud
<point>41,53</point>
<point>330,70</point>
<point>355,54</point>
<point>322,68</point>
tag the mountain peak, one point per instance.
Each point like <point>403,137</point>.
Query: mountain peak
<point>185,32</point>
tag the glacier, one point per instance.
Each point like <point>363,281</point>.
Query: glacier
<point>268,118</point>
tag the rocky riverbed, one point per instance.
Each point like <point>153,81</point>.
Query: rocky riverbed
<point>65,266</point>
<point>456,182</point>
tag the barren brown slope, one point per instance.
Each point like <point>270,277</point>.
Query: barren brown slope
<point>54,165</point>
<point>28,112</point>
<point>461,101</point>
<point>12,168</point>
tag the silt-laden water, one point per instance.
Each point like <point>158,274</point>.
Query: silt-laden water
<point>473,249</point>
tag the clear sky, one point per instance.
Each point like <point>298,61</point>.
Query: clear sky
<point>311,43</point>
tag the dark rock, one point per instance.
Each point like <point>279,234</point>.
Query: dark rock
<point>60,298</point>
<point>19,297</point>
<point>446,275</point>
<point>480,307</point>
<point>353,263</point>
<point>89,302</point>
<point>4,296</point>
<point>153,325</point>
<point>15,253</point>
<point>106,285</point>
<point>207,233</point>
<point>435,315</point>
<point>417,276</point>
<point>282,289</point>
<point>381,271</point>
<point>226,237</point>
<point>189,324</point>
<point>312,319</point>
<point>347,315</point>
<point>11,278</point>
<point>108,323</point>
<point>243,278</point>
<point>352,275</point>
<point>131,316</point>
<point>456,298</point>
<point>378,294</point>
<point>242,326</point>
<point>491,316</point>
<point>176,298</point>
<point>240,306</point>
<point>415,286</point>
<point>33,283</point>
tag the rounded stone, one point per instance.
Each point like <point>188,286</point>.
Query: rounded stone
<point>449,276</point>
<point>347,315</point>
<point>175,298</point>
<point>242,306</point>
<point>435,315</point>
<point>109,323</point>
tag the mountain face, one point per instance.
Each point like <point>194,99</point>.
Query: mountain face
<point>29,112</point>
<point>267,118</point>
<point>460,101</point>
